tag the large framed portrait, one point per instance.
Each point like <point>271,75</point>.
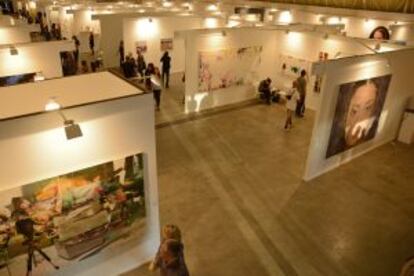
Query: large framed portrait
<point>357,113</point>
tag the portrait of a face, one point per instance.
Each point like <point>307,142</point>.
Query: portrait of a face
<point>357,113</point>
<point>380,33</point>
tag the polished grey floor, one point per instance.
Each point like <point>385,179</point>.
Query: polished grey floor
<point>232,181</point>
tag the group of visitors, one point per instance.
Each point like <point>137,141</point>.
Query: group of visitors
<point>150,74</point>
<point>170,255</point>
<point>295,97</point>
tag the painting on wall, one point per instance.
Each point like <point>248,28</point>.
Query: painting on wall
<point>357,113</point>
<point>141,46</point>
<point>317,85</point>
<point>17,79</point>
<point>292,66</point>
<point>229,67</point>
<point>73,217</point>
<point>166,44</point>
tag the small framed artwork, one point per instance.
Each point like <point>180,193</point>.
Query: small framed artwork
<point>166,44</point>
<point>141,46</point>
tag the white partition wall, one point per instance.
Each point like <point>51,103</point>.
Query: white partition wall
<point>35,57</point>
<point>13,35</point>
<point>112,127</point>
<point>348,70</point>
<point>278,45</point>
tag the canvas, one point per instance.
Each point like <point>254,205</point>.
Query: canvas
<point>358,110</point>
<point>77,216</point>
<point>292,66</point>
<point>141,46</point>
<point>166,44</point>
<point>229,67</point>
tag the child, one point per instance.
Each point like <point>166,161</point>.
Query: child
<point>170,255</point>
<point>291,100</point>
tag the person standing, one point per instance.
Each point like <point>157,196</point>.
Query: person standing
<point>77,45</point>
<point>141,66</point>
<point>121,52</point>
<point>166,66</point>
<point>92,43</point>
<point>301,86</point>
<point>291,100</point>
<point>170,256</point>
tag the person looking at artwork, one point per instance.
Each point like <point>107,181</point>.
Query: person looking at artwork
<point>141,65</point>
<point>380,33</point>
<point>291,100</point>
<point>77,45</point>
<point>170,255</point>
<point>265,90</point>
<point>92,43</point>
<point>121,52</point>
<point>153,83</point>
<point>357,114</point>
<point>301,86</point>
<point>166,66</point>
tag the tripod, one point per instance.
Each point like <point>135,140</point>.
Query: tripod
<point>26,228</point>
<point>30,251</point>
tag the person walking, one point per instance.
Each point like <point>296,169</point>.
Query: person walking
<point>291,101</point>
<point>166,66</point>
<point>301,86</point>
<point>121,52</point>
<point>92,43</point>
<point>153,83</point>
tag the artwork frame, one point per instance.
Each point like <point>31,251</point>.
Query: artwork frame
<point>166,44</point>
<point>357,114</point>
<point>141,46</point>
<point>96,209</point>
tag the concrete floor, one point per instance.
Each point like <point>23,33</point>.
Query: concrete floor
<point>232,182</point>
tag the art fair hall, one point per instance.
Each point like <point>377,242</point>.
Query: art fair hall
<point>206,138</point>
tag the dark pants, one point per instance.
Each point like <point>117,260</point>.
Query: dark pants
<point>300,106</point>
<point>165,77</point>
<point>157,97</point>
<point>267,95</point>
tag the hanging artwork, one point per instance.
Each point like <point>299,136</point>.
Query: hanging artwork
<point>323,56</point>
<point>166,44</point>
<point>72,217</point>
<point>357,113</point>
<point>229,67</point>
<point>292,66</point>
<point>141,46</point>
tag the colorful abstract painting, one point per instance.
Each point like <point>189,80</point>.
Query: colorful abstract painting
<point>228,67</point>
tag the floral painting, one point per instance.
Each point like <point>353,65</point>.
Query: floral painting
<point>229,67</point>
<point>75,216</point>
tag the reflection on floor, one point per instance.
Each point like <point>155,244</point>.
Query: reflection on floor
<point>232,182</point>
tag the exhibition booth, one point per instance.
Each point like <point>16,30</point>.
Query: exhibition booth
<point>224,66</point>
<point>83,171</point>
<point>20,60</point>
<point>152,33</point>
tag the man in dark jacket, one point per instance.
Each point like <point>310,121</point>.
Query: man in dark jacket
<point>166,66</point>
<point>265,90</point>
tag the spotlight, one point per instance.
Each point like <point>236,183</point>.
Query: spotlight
<point>72,130</point>
<point>13,51</point>
<point>52,105</point>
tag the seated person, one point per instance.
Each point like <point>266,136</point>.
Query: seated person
<point>265,90</point>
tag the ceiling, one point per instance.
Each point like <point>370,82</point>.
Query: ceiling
<point>400,6</point>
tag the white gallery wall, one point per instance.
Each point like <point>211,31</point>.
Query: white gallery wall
<point>347,70</point>
<point>14,34</point>
<point>35,57</point>
<point>40,151</point>
<point>305,46</point>
<point>198,41</point>
<point>132,26</point>
<point>153,31</point>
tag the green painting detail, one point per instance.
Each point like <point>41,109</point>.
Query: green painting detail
<point>75,215</point>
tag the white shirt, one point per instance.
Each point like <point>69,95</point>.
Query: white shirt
<point>291,104</point>
<point>156,82</point>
